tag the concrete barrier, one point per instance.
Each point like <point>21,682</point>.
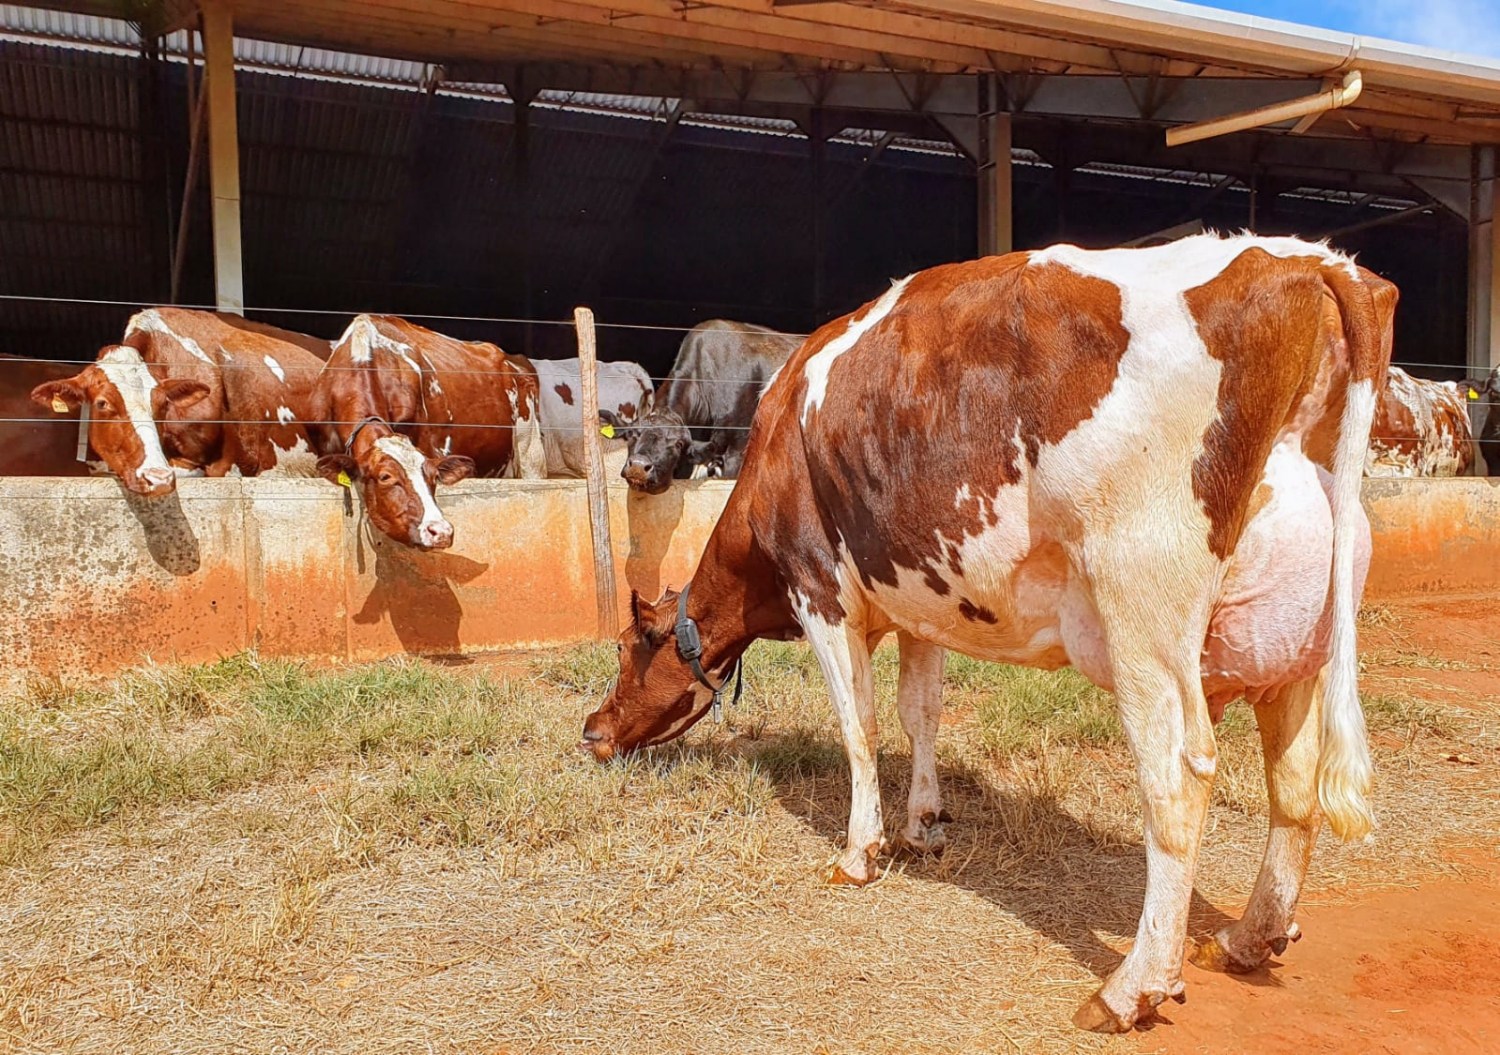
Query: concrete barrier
<point>94,579</point>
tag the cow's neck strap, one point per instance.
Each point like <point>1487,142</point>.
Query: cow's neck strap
<point>690,649</point>
<point>373,419</point>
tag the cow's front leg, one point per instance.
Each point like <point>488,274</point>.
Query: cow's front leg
<point>919,699</point>
<point>845,659</point>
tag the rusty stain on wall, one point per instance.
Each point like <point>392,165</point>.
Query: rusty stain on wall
<point>93,581</point>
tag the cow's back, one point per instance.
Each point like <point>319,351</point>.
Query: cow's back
<point>453,397</point>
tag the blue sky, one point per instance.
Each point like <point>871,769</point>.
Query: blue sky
<point>1454,25</point>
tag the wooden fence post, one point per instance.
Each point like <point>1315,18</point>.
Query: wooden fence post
<point>593,467</point>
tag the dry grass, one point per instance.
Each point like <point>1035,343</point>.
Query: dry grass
<point>401,857</point>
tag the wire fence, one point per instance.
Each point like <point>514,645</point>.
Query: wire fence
<point>1477,381</point>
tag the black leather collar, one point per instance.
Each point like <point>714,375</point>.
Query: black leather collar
<point>690,650</point>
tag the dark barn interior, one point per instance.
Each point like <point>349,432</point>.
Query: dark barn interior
<point>363,190</point>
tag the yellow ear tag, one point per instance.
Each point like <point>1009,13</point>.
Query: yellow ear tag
<point>59,406</point>
<point>607,431</point>
<point>1472,394</point>
<point>344,480</point>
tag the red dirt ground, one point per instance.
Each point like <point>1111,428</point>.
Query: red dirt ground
<point>1407,972</point>
<point>1404,972</point>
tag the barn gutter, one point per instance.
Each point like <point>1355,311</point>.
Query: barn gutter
<point>1293,109</point>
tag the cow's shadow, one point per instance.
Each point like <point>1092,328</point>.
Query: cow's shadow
<point>169,536</point>
<point>1021,850</point>
<point>652,522</point>
<point>414,590</point>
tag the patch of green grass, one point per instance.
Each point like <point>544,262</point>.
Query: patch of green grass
<point>1020,709</point>
<point>171,736</point>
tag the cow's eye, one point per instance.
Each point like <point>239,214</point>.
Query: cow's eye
<point>101,404</point>
<point>387,479</point>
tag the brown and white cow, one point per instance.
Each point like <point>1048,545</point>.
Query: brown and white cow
<point>701,421</point>
<point>625,394</point>
<point>1117,460</point>
<point>1421,429</point>
<point>193,390</point>
<point>401,408</point>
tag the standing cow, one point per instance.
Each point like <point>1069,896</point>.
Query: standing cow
<point>401,408</point>
<point>1118,460</point>
<point>625,394</point>
<point>1421,429</point>
<point>705,406</point>
<point>186,391</point>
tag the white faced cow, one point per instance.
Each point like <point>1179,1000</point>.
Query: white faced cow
<point>190,391</point>
<point>1144,463</point>
<point>625,394</point>
<point>401,408</point>
<point>701,422</point>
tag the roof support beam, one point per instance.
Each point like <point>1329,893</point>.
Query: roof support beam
<point>1484,276</point>
<point>223,156</point>
<point>995,185</point>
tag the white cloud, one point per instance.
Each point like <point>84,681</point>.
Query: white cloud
<point>1471,26</point>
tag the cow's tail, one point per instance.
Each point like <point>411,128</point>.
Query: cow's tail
<point>529,450</point>
<point>1344,768</point>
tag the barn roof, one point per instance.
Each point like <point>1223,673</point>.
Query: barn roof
<point>642,45</point>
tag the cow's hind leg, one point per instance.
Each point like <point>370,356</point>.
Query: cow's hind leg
<point>1154,644</point>
<point>919,699</point>
<point>1289,735</point>
<point>844,656</point>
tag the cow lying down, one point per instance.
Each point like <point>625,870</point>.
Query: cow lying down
<point>1143,463</point>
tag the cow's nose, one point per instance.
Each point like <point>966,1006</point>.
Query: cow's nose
<point>437,534</point>
<point>597,738</point>
<point>158,479</point>
<point>636,471</point>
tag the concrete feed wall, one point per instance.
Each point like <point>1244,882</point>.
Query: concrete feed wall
<point>94,580</point>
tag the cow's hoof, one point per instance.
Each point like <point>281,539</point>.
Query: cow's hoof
<point>839,877</point>
<point>855,867</point>
<point>1096,1016</point>
<point>927,840</point>
<point>1218,954</point>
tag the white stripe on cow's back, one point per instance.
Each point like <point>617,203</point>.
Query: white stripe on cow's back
<point>128,372</point>
<point>412,461</point>
<point>816,369</point>
<point>1182,265</point>
<point>150,321</point>
<point>363,336</point>
<point>275,368</point>
<point>285,415</point>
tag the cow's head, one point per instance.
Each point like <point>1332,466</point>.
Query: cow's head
<point>656,698</point>
<point>125,402</point>
<point>659,448</point>
<point>397,482</point>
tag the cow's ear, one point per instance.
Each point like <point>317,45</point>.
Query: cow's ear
<point>644,619</point>
<point>612,425</point>
<point>454,468</point>
<point>180,392</point>
<point>338,468</point>
<point>62,396</point>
